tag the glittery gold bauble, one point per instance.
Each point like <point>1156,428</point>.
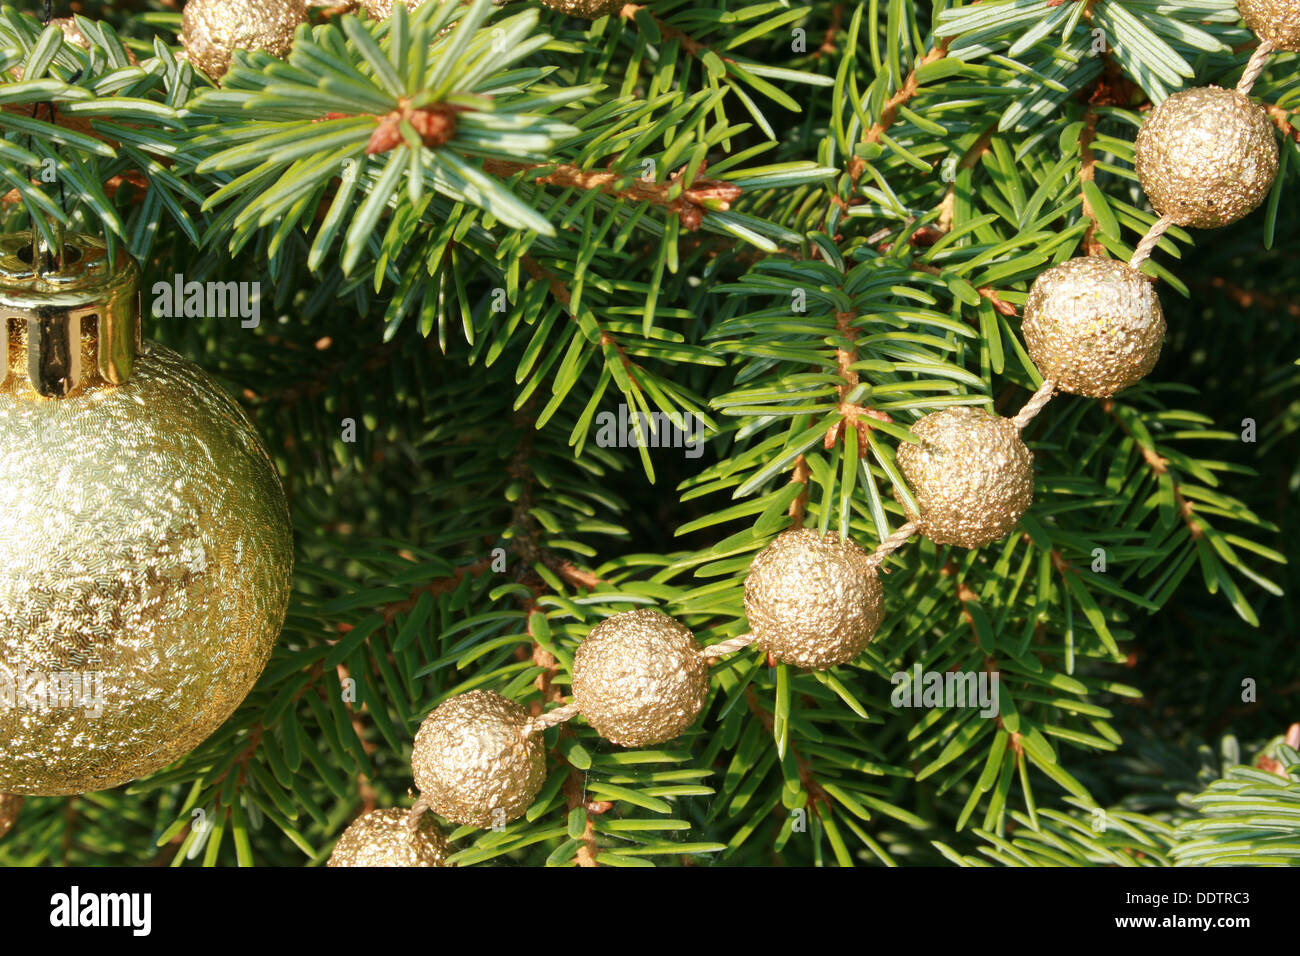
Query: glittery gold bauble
<point>145,546</point>
<point>1093,325</point>
<point>10,804</point>
<point>474,763</point>
<point>971,474</point>
<point>813,601</point>
<point>639,678</point>
<point>382,838</point>
<point>1206,157</point>
<point>1275,20</point>
<point>586,9</point>
<point>212,30</point>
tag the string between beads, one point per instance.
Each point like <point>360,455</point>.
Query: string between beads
<point>1035,404</point>
<point>1148,244</point>
<point>418,809</point>
<point>892,543</point>
<point>723,648</point>
<point>552,718</point>
<point>1255,67</point>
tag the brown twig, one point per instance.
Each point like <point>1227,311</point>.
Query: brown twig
<point>690,45</point>
<point>691,204</point>
<point>560,292</point>
<point>1282,120</point>
<point>1088,174</point>
<point>889,113</point>
<point>817,796</point>
<point>1160,467</point>
<point>802,475</point>
<point>850,414</point>
<point>828,39</point>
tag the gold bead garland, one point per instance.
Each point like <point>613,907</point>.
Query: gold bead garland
<point>382,9</point>
<point>1206,157</point>
<point>1277,21</point>
<point>71,32</point>
<point>474,761</point>
<point>585,9</point>
<point>1092,326</point>
<point>972,476</point>
<point>388,838</point>
<point>639,678</point>
<point>212,30</point>
<point>813,601</point>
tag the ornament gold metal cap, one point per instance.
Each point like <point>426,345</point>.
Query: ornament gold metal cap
<point>74,323</point>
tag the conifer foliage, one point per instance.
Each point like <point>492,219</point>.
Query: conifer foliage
<point>503,253</point>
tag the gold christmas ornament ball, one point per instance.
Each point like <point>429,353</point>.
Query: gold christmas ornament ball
<point>639,678</point>
<point>10,804</point>
<point>145,564</point>
<point>1206,157</point>
<point>1094,326</point>
<point>474,761</point>
<point>145,547</point>
<point>1277,21</point>
<point>383,838</point>
<point>971,474</point>
<point>212,30</point>
<point>813,600</point>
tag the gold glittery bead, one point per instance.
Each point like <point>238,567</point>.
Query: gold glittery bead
<point>813,601</point>
<point>212,30</point>
<point>639,678</point>
<point>10,804</point>
<point>145,564</point>
<point>1093,325</point>
<point>1206,157</point>
<point>971,474</point>
<point>586,9</point>
<point>382,9</point>
<point>71,32</point>
<point>382,838</point>
<point>473,762</point>
<point>1274,20</point>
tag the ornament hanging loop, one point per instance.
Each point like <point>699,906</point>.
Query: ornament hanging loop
<point>69,317</point>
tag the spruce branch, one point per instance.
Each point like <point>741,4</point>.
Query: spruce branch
<point>685,194</point>
<point>416,106</point>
